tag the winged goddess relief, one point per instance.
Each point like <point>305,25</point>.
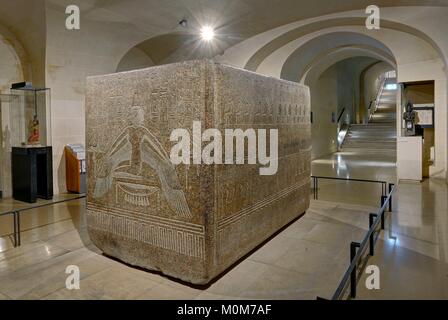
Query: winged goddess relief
<point>134,148</point>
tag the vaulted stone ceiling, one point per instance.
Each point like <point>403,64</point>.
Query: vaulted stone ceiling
<point>22,23</point>
<point>302,59</point>
<point>234,20</point>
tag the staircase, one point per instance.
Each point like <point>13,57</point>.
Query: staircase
<point>379,135</point>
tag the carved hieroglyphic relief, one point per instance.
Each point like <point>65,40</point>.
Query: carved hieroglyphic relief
<point>287,111</point>
<point>186,239</point>
<point>135,147</point>
<point>190,221</point>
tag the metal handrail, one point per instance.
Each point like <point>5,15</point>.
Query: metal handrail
<point>361,247</point>
<point>378,97</point>
<point>340,116</point>
<point>316,184</point>
<point>16,216</point>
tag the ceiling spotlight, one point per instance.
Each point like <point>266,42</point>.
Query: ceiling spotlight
<point>183,23</point>
<point>207,33</point>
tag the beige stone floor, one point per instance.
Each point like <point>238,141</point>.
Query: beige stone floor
<point>363,165</point>
<point>413,255</point>
<point>304,261</point>
<point>37,221</point>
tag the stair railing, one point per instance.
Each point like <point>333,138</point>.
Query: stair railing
<point>376,102</point>
<point>341,114</point>
<point>342,129</point>
<point>358,249</point>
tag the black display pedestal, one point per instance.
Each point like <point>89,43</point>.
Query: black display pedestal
<point>32,173</point>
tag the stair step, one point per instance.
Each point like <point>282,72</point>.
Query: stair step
<point>390,143</point>
<point>372,137</point>
<point>374,127</point>
<point>371,145</point>
<point>380,134</point>
<point>392,140</point>
<point>373,151</point>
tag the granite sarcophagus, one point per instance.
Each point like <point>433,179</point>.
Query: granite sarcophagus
<point>194,218</point>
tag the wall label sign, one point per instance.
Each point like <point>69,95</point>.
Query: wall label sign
<point>425,115</point>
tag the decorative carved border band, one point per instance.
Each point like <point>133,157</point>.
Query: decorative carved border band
<point>259,205</point>
<point>162,235</point>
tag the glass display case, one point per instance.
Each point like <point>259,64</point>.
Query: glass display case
<point>30,138</point>
<point>30,116</point>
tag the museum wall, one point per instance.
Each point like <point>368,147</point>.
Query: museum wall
<point>323,130</point>
<point>420,93</point>
<point>10,66</point>
<point>22,52</point>
<point>28,39</point>
<point>71,56</point>
<point>10,72</point>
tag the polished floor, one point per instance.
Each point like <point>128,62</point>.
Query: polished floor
<point>354,165</point>
<point>302,262</point>
<point>413,256</point>
<point>307,259</point>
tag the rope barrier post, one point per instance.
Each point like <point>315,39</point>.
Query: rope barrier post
<point>383,200</point>
<point>14,215</point>
<point>391,186</point>
<point>353,248</point>
<point>372,217</point>
<point>19,240</point>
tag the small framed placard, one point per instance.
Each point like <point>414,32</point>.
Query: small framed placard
<point>425,116</point>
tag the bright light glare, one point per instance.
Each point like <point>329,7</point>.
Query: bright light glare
<point>207,33</point>
<point>391,86</point>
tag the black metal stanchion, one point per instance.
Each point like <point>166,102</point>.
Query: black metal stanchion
<point>383,200</point>
<point>16,241</point>
<point>372,217</point>
<point>19,240</point>
<point>391,186</point>
<point>353,247</point>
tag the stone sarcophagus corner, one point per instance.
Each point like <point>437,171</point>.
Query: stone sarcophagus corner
<point>192,220</point>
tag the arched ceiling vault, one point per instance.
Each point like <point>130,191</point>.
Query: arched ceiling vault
<point>315,71</point>
<point>333,56</point>
<point>262,53</point>
<point>237,20</point>
<point>22,55</point>
<point>308,53</point>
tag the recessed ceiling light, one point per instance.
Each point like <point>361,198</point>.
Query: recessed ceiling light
<point>207,33</point>
<point>183,23</point>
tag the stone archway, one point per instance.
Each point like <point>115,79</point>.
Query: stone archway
<point>13,68</point>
